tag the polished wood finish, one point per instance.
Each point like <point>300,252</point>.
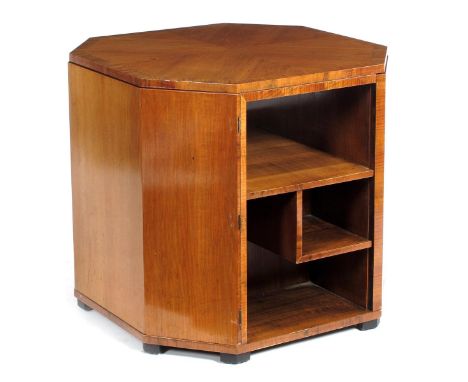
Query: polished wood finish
<point>190,226</point>
<point>163,341</point>
<point>228,184</point>
<point>277,165</point>
<point>322,239</point>
<point>286,224</point>
<point>308,88</point>
<point>338,219</point>
<point>122,157</point>
<point>378,192</point>
<point>107,193</point>
<point>273,224</point>
<point>338,122</point>
<point>345,275</point>
<point>313,224</point>
<point>242,161</point>
<point>230,58</point>
<point>299,308</point>
<point>268,272</point>
<point>238,348</point>
<point>346,205</point>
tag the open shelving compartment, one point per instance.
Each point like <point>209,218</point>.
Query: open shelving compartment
<point>309,212</point>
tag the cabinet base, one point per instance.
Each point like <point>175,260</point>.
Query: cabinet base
<point>83,306</point>
<point>234,359</point>
<point>368,325</point>
<point>363,321</point>
<point>154,349</point>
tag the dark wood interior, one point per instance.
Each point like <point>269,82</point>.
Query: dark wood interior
<point>345,275</point>
<point>346,205</point>
<point>321,239</point>
<point>312,224</point>
<point>269,273</point>
<point>277,164</point>
<point>273,223</point>
<point>337,122</point>
<point>309,181</point>
<point>296,308</point>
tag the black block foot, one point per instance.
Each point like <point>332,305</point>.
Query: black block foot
<point>154,349</point>
<point>368,325</point>
<point>83,306</point>
<point>234,359</point>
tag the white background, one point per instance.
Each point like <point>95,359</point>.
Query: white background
<point>423,332</point>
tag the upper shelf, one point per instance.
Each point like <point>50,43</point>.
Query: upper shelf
<point>278,165</point>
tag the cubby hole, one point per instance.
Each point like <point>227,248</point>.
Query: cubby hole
<point>309,191</point>
<point>285,298</point>
<point>335,220</point>
<point>312,224</point>
<point>301,277</point>
<point>309,140</point>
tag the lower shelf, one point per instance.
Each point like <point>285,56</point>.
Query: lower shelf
<point>300,308</point>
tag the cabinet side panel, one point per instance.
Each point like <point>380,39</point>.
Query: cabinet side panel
<point>191,200</point>
<point>378,192</point>
<point>107,201</point>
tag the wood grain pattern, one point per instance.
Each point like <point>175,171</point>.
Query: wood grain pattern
<point>273,224</point>
<point>225,348</point>
<point>230,58</point>
<point>107,203</point>
<point>297,309</point>
<point>378,192</point>
<point>164,341</point>
<point>277,165</point>
<point>321,239</point>
<point>183,200</point>
<point>281,225</point>
<point>191,204</point>
<point>345,275</point>
<point>337,122</point>
<point>287,91</point>
<point>242,144</point>
<point>268,272</point>
<point>345,208</point>
<point>325,327</point>
<point>346,205</point>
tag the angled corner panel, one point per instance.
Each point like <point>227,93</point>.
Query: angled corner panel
<point>191,203</point>
<point>107,201</point>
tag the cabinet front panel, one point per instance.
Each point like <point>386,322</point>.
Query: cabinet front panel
<point>191,203</point>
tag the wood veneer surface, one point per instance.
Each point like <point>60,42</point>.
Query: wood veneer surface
<point>290,310</point>
<point>322,239</point>
<point>107,193</point>
<point>277,165</point>
<point>191,204</point>
<point>230,57</point>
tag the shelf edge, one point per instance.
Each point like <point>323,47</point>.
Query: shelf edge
<point>365,174</point>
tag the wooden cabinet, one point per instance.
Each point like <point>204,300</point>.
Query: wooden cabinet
<point>228,184</point>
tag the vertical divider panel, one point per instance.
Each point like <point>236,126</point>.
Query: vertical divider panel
<point>242,147</point>
<point>378,162</point>
<point>299,215</point>
<point>273,224</point>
